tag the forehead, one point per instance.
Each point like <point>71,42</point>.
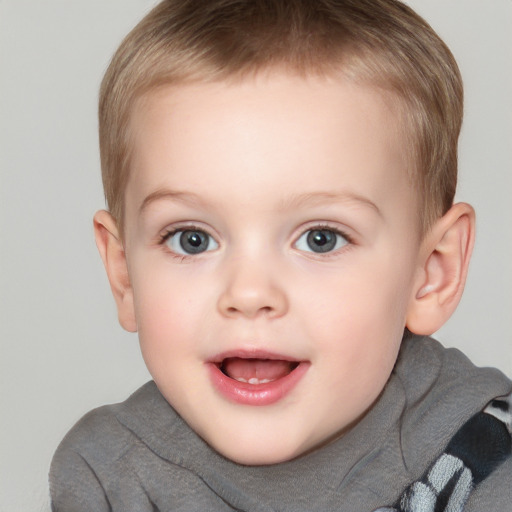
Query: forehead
<point>273,128</point>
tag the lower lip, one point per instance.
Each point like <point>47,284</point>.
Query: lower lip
<point>256,394</point>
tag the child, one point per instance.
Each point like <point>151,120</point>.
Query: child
<point>282,236</point>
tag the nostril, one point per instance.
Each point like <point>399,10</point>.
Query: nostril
<point>265,310</point>
<point>252,301</point>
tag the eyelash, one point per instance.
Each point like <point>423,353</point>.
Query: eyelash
<point>164,237</point>
<point>168,233</point>
<point>338,231</point>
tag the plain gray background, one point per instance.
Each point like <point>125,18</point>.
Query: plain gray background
<point>62,351</point>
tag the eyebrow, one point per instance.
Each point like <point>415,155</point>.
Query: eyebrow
<point>294,201</point>
<point>320,198</point>
<point>174,195</point>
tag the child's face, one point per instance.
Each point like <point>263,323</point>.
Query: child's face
<point>271,238</point>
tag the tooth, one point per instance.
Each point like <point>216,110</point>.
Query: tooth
<point>255,380</point>
<point>241,379</point>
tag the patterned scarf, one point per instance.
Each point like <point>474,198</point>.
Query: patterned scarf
<point>473,453</point>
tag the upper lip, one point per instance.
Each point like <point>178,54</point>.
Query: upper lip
<point>252,354</point>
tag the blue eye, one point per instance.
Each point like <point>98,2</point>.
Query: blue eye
<point>190,241</point>
<point>321,240</point>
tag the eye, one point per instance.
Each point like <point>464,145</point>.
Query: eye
<point>190,241</point>
<point>321,240</point>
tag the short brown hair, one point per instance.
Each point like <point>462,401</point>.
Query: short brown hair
<point>383,43</point>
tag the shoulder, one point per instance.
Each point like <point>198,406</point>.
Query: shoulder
<point>74,481</point>
<point>99,435</point>
<point>88,452</point>
<point>432,373</point>
<point>443,390</point>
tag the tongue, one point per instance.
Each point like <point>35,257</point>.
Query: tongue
<point>266,370</point>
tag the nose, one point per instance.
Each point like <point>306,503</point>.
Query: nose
<point>252,289</point>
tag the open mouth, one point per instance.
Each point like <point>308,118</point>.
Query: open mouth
<point>256,378</point>
<point>256,371</point>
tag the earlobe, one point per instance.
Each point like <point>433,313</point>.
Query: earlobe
<point>446,251</point>
<point>112,253</point>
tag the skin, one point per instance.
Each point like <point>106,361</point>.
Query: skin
<point>256,165</point>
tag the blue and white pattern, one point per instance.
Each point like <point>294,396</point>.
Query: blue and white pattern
<point>474,452</point>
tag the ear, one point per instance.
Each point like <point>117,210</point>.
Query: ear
<point>112,253</point>
<point>444,261</point>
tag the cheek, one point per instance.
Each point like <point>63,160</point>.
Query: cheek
<point>166,313</point>
<point>358,316</point>
<point>359,295</point>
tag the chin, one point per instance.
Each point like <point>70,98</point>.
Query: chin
<point>260,452</point>
<point>247,458</point>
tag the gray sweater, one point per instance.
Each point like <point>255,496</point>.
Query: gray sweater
<point>140,456</point>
